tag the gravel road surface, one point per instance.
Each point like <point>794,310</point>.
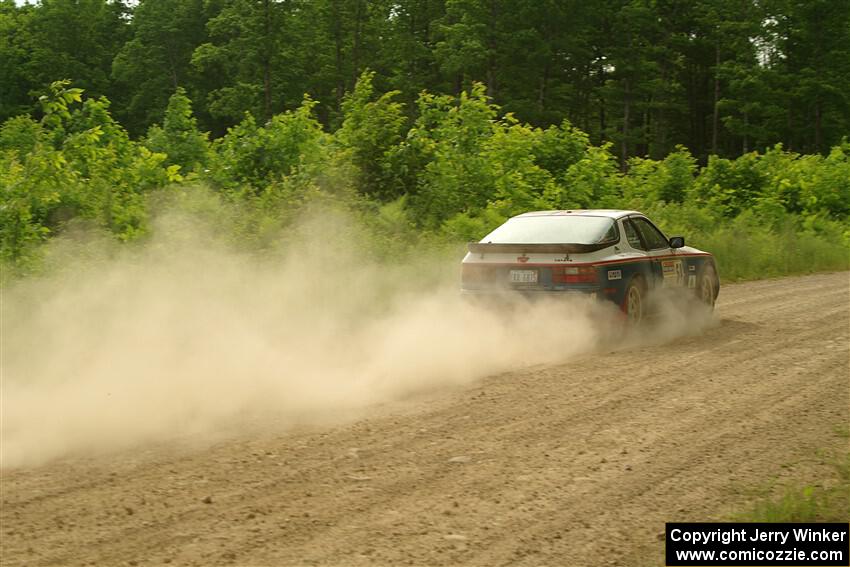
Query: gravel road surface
<point>575,464</point>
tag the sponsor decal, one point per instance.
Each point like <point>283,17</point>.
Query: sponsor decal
<point>692,281</point>
<point>692,268</point>
<point>615,274</point>
<point>673,272</point>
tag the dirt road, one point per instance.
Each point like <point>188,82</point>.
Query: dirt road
<point>576,464</point>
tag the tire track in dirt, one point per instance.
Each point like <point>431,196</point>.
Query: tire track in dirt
<point>574,464</point>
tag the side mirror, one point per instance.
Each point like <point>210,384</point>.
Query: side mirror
<point>677,241</point>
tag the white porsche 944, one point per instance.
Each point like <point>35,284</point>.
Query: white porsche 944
<point>615,255</point>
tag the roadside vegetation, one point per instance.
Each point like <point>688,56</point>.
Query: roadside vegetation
<point>826,500</point>
<point>808,503</point>
<point>454,171</point>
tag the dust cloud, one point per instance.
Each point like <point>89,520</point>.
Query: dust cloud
<point>186,337</point>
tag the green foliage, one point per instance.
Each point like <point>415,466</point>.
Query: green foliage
<point>156,60</point>
<point>23,208</point>
<point>463,227</point>
<point>464,158</point>
<point>55,107</point>
<point>289,144</point>
<point>777,182</point>
<point>830,190</point>
<point>721,77</point>
<point>669,180</point>
<point>14,84</point>
<point>559,147</point>
<point>249,64</point>
<point>21,134</point>
<point>822,502</point>
<point>591,182</point>
<point>56,103</point>
<point>443,155</point>
<point>370,128</point>
<point>747,248</point>
<point>76,39</point>
<point>458,172</point>
<point>178,137</point>
<point>808,184</point>
<point>77,163</point>
<point>729,185</point>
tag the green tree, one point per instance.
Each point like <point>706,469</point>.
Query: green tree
<point>370,129</point>
<point>179,137</point>
<point>79,163</point>
<point>669,180</point>
<point>14,84</point>
<point>156,59</point>
<point>251,62</point>
<point>814,41</point>
<point>290,143</point>
<point>474,42</point>
<point>77,39</point>
<point>408,34</point>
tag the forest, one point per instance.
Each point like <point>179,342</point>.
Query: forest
<point>431,121</point>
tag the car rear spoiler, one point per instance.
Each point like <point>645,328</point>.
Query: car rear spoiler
<point>494,248</point>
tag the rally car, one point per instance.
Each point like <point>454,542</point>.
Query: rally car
<point>614,255</point>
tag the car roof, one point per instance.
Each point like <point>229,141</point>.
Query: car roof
<point>610,213</point>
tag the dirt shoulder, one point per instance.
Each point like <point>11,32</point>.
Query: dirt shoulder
<point>575,464</point>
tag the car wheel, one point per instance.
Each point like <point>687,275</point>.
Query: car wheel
<point>634,304</point>
<point>705,289</point>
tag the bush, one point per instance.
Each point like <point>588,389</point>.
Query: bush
<point>458,171</point>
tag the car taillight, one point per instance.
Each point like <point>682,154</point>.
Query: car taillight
<point>574,274</point>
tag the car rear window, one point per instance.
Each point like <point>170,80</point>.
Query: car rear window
<point>555,229</point>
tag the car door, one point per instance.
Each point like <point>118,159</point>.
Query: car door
<point>668,271</point>
<point>637,244</point>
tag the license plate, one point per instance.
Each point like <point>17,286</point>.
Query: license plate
<point>524,276</point>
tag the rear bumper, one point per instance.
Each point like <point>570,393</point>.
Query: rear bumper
<point>513,294</point>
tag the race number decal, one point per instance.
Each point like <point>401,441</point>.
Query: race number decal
<point>673,272</point>
<point>615,274</point>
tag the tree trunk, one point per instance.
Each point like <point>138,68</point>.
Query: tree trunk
<point>789,122</point>
<point>541,93</point>
<point>602,125</point>
<point>491,47</point>
<point>355,50</point>
<point>491,79</point>
<point>340,74</point>
<point>818,126</point>
<point>267,80</point>
<point>659,134</point>
<point>715,119</point>
<point>624,145</point>
<point>174,81</point>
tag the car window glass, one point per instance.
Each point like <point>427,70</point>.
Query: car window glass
<point>632,235</point>
<point>554,229</point>
<point>651,235</point>
<point>611,234</point>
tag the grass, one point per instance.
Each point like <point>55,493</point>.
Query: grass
<point>750,253</point>
<point>752,246</point>
<point>828,501</point>
<point>806,504</point>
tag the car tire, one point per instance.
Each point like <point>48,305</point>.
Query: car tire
<point>634,304</point>
<point>706,288</point>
